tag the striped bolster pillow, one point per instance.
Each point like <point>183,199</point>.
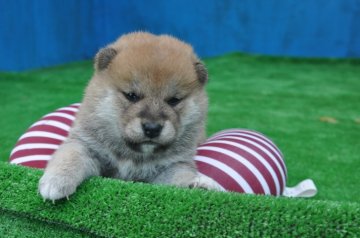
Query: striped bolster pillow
<point>239,160</point>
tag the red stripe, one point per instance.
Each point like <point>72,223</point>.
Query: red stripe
<point>222,178</point>
<point>248,132</point>
<point>29,152</point>
<point>224,132</point>
<point>262,137</point>
<point>38,139</point>
<point>261,143</point>
<point>67,112</point>
<point>74,106</point>
<point>49,128</point>
<point>279,159</point>
<point>265,156</point>
<point>241,169</point>
<point>64,120</point>
<point>252,159</point>
<point>41,164</point>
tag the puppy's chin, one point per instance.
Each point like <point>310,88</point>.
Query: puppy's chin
<point>147,147</point>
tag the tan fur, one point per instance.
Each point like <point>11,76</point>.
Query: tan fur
<point>108,137</point>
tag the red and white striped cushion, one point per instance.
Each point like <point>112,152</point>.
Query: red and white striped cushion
<point>243,161</point>
<point>35,147</point>
<point>239,160</point>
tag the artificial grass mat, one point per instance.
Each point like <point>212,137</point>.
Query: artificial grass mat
<point>108,207</point>
<point>22,226</point>
<point>309,107</point>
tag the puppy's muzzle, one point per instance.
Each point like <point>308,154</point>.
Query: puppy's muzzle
<point>152,129</point>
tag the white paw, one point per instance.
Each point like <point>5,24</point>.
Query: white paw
<point>204,182</point>
<point>56,187</point>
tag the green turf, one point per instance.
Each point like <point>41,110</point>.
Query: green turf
<point>311,108</point>
<point>20,225</point>
<point>109,207</point>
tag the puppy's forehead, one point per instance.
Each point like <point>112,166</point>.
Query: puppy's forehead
<point>156,62</point>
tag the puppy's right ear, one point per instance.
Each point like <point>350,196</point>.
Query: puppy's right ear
<point>103,58</point>
<point>201,72</point>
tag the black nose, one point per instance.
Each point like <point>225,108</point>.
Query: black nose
<point>152,129</point>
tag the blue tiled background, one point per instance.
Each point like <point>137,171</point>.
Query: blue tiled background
<point>41,33</point>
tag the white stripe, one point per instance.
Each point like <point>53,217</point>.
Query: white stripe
<point>228,170</point>
<point>224,132</point>
<point>53,123</point>
<point>42,134</point>
<point>280,156</point>
<point>72,109</point>
<point>60,114</point>
<point>282,172</point>
<point>261,159</point>
<point>76,104</point>
<point>267,141</point>
<point>270,142</point>
<point>33,146</point>
<point>243,131</point>
<point>242,160</point>
<point>30,158</point>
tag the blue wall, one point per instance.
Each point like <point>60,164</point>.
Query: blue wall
<point>42,33</point>
<point>46,32</point>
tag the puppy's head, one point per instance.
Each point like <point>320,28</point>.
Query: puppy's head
<point>153,87</point>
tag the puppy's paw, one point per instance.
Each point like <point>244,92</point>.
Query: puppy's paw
<point>56,187</point>
<point>204,182</point>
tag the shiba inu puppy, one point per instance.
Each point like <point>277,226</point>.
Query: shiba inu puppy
<point>141,119</point>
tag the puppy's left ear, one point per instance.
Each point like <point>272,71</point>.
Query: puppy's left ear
<point>104,57</point>
<point>201,72</point>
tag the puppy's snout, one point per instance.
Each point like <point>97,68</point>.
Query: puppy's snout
<point>152,129</point>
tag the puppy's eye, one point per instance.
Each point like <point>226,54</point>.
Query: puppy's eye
<point>173,101</point>
<point>132,97</point>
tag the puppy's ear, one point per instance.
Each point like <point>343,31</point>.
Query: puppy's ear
<point>201,72</point>
<point>104,57</point>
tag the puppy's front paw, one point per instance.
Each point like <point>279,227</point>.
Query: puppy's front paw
<point>56,187</point>
<point>204,182</point>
